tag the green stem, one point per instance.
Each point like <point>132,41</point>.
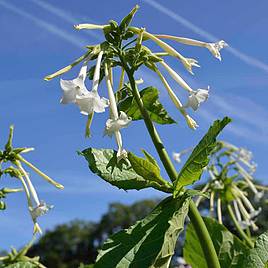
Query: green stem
<point>197,221</point>
<point>238,227</point>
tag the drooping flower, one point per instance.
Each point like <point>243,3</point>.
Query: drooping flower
<point>40,210</point>
<point>249,180</point>
<point>196,98</point>
<point>113,125</point>
<point>91,101</point>
<point>73,88</point>
<point>215,48</point>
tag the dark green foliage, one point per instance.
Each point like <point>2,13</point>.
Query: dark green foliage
<point>66,246</point>
<point>104,163</point>
<point>148,243</point>
<point>150,98</point>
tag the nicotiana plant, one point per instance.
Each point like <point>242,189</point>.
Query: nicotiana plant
<point>151,241</point>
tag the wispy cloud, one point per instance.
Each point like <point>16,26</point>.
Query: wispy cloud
<point>201,32</point>
<point>66,16</point>
<point>51,28</point>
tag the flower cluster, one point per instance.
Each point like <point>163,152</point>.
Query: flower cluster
<point>195,97</point>
<point>230,184</point>
<point>13,156</point>
<point>116,52</point>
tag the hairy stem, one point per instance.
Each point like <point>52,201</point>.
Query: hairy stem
<point>238,227</point>
<point>197,221</point>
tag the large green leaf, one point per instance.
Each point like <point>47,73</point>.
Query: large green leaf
<point>104,163</point>
<point>258,256</point>
<point>151,102</point>
<point>193,168</point>
<point>150,242</point>
<point>230,250</point>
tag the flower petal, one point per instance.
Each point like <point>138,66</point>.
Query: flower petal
<point>69,91</point>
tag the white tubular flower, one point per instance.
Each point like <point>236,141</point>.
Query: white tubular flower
<point>89,26</point>
<point>214,48</point>
<point>248,220</point>
<point>187,62</point>
<point>252,211</point>
<point>176,77</point>
<point>40,210</point>
<point>91,101</point>
<point>245,154</point>
<point>196,98</point>
<point>113,125</point>
<point>73,88</point>
<point>190,121</point>
<point>29,182</point>
<point>248,178</point>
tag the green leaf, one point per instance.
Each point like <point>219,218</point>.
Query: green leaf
<point>150,242</point>
<point>150,98</point>
<point>103,162</point>
<point>258,256</point>
<point>193,168</point>
<point>150,158</point>
<point>229,248</point>
<point>145,168</point>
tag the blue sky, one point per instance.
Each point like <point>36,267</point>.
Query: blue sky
<point>37,38</point>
